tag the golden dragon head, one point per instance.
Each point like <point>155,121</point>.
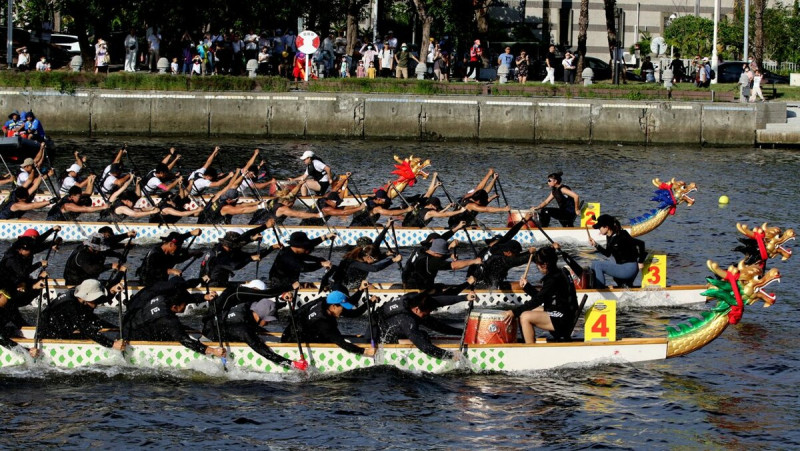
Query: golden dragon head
<point>774,239</point>
<point>680,190</point>
<point>415,164</point>
<point>750,279</point>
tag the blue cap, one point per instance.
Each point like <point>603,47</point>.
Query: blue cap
<point>337,297</point>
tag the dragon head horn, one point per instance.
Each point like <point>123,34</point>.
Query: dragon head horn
<point>744,230</point>
<point>714,267</point>
<point>657,182</point>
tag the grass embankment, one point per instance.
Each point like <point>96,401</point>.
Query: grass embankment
<point>69,82</point>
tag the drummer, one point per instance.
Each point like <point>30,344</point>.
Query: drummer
<point>551,308</point>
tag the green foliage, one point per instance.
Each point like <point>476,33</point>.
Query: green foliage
<point>690,35</point>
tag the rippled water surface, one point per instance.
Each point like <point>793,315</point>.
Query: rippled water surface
<point>739,392</point>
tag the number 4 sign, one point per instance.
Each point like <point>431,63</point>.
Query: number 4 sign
<point>654,273</point>
<point>601,322</point>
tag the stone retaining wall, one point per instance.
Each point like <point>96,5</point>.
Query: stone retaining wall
<point>313,115</point>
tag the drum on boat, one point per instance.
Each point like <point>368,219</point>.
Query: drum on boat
<point>488,327</point>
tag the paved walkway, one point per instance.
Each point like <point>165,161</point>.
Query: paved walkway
<point>785,134</point>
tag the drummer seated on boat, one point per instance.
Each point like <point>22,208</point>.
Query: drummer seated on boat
<point>553,307</point>
<point>296,258</point>
<point>422,268</point>
<point>73,204</point>
<point>329,205</point>
<point>9,314</point>
<point>156,319</point>
<point>244,310</point>
<point>317,320</point>
<point>404,317</point>
<point>158,264</point>
<point>378,204</point>
<point>74,311</point>
<point>317,176</point>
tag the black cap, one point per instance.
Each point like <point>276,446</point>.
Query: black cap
<point>174,237</point>
<point>604,221</point>
<point>300,239</point>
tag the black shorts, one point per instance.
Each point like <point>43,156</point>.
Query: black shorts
<point>323,188</point>
<point>562,323</point>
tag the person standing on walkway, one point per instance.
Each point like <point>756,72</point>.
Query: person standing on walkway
<point>550,61</point>
<point>475,60</point>
<point>131,50</point>
<point>744,84</point>
<point>756,91</point>
<point>522,67</point>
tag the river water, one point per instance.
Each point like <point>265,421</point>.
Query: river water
<point>738,392</point>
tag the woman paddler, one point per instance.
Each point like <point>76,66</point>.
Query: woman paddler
<point>377,205</point>
<point>552,307</point>
<point>569,203</point>
<point>629,253</point>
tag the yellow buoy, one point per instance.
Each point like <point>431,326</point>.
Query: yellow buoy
<point>723,200</point>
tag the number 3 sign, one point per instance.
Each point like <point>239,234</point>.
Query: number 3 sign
<point>654,273</point>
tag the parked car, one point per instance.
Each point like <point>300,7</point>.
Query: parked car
<point>602,70</point>
<point>68,42</point>
<point>730,71</point>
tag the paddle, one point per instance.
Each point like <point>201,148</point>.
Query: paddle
<point>474,217</point>
<point>216,325</point>
<point>471,244</point>
<point>576,268</point>
<point>466,322</point>
<point>14,179</point>
<point>360,199</point>
<point>187,265</point>
<point>303,361</point>
<point>369,314</point>
<point>527,267</point>
<point>36,339</point>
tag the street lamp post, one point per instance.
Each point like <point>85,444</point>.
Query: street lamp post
<point>10,33</point>
<point>746,27</point>
<point>714,55</point>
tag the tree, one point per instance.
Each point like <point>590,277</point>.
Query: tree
<point>583,26</point>
<point>611,28</point>
<point>481,8</point>
<point>758,50</point>
<point>426,19</point>
<point>691,35</point>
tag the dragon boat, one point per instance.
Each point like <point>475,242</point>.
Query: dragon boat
<point>740,286</point>
<point>733,289</point>
<point>654,296</point>
<point>669,197</point>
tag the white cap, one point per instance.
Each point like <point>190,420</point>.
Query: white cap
<point>90,290</point>
<point>74,168</point>
<point>256,284</point>
<point>307,154</point>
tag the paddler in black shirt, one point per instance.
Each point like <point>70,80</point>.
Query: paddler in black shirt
<point>154,317</point>
<point>10,314</point>
<point>244,311</point>
<point>74,311</point>
<point>159,263</point>
<point>296,258</point>
<point>569,203</point>
<point>401,318</point>
<point>328,206</point>
<point>377,205</point>
<point>16,267</point>
<point>318,321</point>
<point>88,260</point>
<point>551,308</point>
<point>422,268</point>
<point>629,253</point>
<point>227,256</point>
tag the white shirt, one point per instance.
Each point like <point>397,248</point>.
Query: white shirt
<point>130,41</point>
<point>200,186</point>
<point>152,185</point>
<point>108,184</point>
<point>22,177</point>
<point>386,57</point>
<point>68,183</point>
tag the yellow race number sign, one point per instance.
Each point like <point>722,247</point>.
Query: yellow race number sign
<point>589,212</point>
<point>601,322</point>
<point>654,273</point>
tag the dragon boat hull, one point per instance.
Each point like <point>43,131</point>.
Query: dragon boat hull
<point>406,237</point>
<point>330,359</point>
<point>672,296</point>
<point>195,202</point>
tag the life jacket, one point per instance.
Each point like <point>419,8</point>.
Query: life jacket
<point>239,315</point>
<point>5,209</point>
<point>110,215</point>
<point>366,218</point>
<point>261,216</point>
<point>466,216</point>
<point>313,172</point>
<point>211,214</point>
<point>153,310</point>
<point>408,269</point>
<point>394,307</point>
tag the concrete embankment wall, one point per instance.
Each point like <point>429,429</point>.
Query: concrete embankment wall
<point>387,116</point>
